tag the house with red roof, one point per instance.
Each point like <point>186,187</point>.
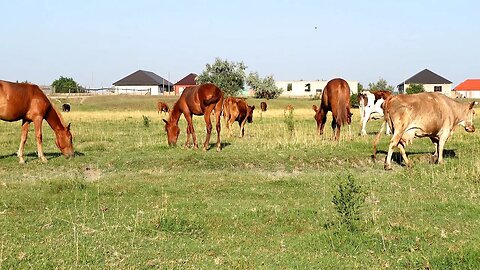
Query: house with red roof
<point>468,89</point>
<point>189,80</point>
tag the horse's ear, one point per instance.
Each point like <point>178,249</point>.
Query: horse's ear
<point>166,122</point>
<point>68,126</point>
<point>472,104</point>
<point>314,107</point>
<point>253,107</point>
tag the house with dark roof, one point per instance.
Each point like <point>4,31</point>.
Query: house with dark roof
<point>468,89</point>
<point>431,82</point>
<point>189,80</point>
<point>142,82</point>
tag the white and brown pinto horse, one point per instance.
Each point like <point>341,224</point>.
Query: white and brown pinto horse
<point>27,102</point>
<point>370,104</point>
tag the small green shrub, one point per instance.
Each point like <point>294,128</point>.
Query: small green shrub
<point>289,120</point>
<point>146,121</point>
<point>348,200</point>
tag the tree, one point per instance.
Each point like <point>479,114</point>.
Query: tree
<point>66,85</point>
<point>415,88</point>
<point>263,87</point>
<point>228,76</point>
<point>380,85</point>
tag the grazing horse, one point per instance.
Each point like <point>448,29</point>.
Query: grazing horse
<point>335,98</point>
<point>26,102</point>
<point>237,109</point>
<point>66,107</point>
<point>196,100</point>
<point>162,107</point>
<point>263,106</point>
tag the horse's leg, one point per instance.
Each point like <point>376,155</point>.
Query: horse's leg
<point>242,127</point>
<point>334,129</point>
<point>187,143</point>
<point>188,117</point>
<point>218,111</point>
<point>37,122</point>
<point>208,123</point>
<point>323,117</point>
<point>23,140</point>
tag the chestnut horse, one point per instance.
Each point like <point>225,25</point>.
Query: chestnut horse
<point>335,98</point>
<point>263,106</point>
<point>196,100</point>
<point>162,107</point>
<point>237,109</point>
<point>27,102</point>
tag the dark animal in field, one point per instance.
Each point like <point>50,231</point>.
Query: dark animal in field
<point>162,107</point>
<point>370,104</point>
<point>263,106</point>
<point>66,107</point>
<point>196,100</point>
<point>431,115</point>
<point>236,109</point>
<point>335,98</point>
<point>27,102</point>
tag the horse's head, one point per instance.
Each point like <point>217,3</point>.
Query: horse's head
<point>172,132</point>
<point>469,115</point>
<point>64,142</point>
<point>250,113</point>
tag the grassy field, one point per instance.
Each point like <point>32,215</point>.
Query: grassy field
<point>128,201</point>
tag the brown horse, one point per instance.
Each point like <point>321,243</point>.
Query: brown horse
<point>335,98</point>
<point>26,102</point>
<point>162,107</point>
<point>237,109</point>
<point>196,100</point>
<point>263,106</point>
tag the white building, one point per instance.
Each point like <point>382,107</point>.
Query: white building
<point>431,82</point>
<point>308,88</point>
<point>468,89</point>
<point>142,82</point>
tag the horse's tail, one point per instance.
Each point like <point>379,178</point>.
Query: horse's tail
<point>343,108</point>
<point>387,121</point>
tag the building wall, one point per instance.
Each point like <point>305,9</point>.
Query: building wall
<point>299,88</point>
<point>153,90</point>
<point>446,88</point>
<point>138,90</point>
<point>178,88</point>
<point>468,94</point>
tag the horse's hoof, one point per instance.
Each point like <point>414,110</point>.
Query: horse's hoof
<point>43,160</point>
<point>387,167</point>
<point>22,161</point>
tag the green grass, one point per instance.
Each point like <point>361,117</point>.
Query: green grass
<point>128,201</point>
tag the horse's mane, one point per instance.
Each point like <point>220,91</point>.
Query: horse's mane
<point>52,107</point>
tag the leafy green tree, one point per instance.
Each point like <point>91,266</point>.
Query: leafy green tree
<point>66,85</point>
<point>229,76</point>
<point>380,85</point>
<point>415,88</point>
<point>263,87</point>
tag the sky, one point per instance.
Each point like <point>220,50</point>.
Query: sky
<point>99,42</point>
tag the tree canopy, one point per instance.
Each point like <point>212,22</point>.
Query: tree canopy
<point>263,87</point>
<point>229,76</point>
<point>66,85</point>
<point>415,88</point>
<point>380,85</point>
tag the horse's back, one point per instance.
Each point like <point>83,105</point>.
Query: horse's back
<point>336,98</point>
<point>16,101</point>
<point>196,98</point>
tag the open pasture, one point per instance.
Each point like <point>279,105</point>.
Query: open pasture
<point>128,201</point>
